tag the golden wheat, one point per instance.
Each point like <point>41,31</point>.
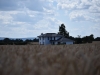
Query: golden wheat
<point>77,59</point>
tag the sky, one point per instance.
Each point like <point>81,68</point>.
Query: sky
<point>30,18</point>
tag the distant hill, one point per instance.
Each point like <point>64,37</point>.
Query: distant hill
<point>1,38</point>
<point>29,38</point>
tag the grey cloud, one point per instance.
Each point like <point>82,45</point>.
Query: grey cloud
<point>22,18</point>
<point>89,9</point>
<point>94,9</point>
<point>34,5</point>
<point>37,5</point>
<point>83,6</point>
<point>8,5</point>
<point>25,17</point>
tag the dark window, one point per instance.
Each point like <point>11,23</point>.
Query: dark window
<point>48,38</point>
<point>43,38</point>
<point>51,38</point>
<point>54,38</point>
<point>58,43</point>
<point>40,38</point>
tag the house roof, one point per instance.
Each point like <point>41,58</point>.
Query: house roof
<point>65,39</point>
<point>50,35</point>
<point>62,40</point>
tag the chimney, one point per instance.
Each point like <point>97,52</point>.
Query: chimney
<point>41,33</point>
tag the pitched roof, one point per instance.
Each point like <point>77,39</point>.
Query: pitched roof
<point>62,40</point>
<point>50,35</point>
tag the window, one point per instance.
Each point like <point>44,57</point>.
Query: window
<point>40,38</point>
<point>59,43</point>
<point>48,38</point>
<point>54,38</point>
<point>43,38</point>
<point>51,38</point>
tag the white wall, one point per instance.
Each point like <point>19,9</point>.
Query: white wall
<point>40,40</point>
<point>45,41</point>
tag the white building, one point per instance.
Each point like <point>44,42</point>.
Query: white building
<point>53,38</point>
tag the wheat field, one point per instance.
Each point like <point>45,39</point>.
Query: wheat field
<point>77,59</point>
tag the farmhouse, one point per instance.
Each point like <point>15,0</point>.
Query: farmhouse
<point>54,39</point>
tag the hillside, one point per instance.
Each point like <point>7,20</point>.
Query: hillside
<point>29,38</point>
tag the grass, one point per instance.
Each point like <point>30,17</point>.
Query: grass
<point>77,59</point>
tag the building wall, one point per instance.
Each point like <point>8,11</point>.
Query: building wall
<point>46,40</point>
<point>69,43</point>
<point>56,43</point>
<point>40,40</point>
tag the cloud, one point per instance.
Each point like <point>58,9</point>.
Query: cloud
<point>49,12</point>
<point>94,9</point>
<point>9,5</point>
<point>84,4</point>
<point>47,23</point>
<point>34,5</point>
<point>35,17</point>
<point>24,29</point>
<point>72,4</point>
<point>83,16</point>
<point>80,10</point>
<point>5,18</point>
<point>66,4</point>
<point>24,23</point>
<point>77,16</point>
<point>22,18</point>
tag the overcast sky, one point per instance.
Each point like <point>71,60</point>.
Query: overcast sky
<point>30,18</point>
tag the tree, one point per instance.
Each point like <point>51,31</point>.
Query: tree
<point>88,39</point>
<point>6,40</point>
<point>36,40</point>
<point>91,38</point>
<point>62,31</point>
<point>97,39</point>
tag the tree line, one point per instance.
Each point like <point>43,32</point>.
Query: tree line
<point>62,31</point>
<point>7,41</point>
<point>77,40</point>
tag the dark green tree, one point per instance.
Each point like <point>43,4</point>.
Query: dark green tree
<point>6,40</point>
<point>62,31</point>
<point>88,39</point>
<point>78,40</point>
<point>97,39</point>
<point>91,38</point>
